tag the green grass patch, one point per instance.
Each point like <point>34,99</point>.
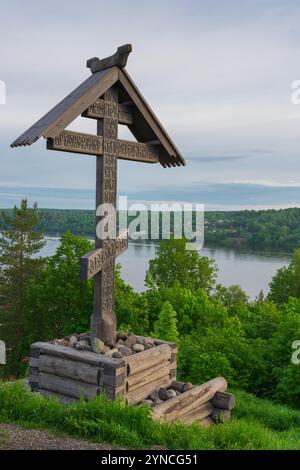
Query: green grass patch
<point>257,424</point>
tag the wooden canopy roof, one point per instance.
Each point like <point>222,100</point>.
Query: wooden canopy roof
<point>105,73</point>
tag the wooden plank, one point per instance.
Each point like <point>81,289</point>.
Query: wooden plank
<point>66,386</point>
<point>76,142</point>
<point>91,264</point>
<point>224,400</point>
<point>81,356</point>
<point>34,362</point>
<point>188,401</point>
<point>150,118</point>
<point>122,243</point>
<point>134,151</point>
<point>56,120</point>
<point>198,414</point>
<point>68,368</point>
<point>102,109</point>
<point>137,381</point>
<point>136,396</point>
<point>118,59</point>
<point>148,358</point>
<point>63,399</point>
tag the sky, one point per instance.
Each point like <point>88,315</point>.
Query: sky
<point>217,74</point>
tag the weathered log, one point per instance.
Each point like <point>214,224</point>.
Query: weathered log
<point>198,414</point>
<point>188,401</point>
<point>146,359</point>
<point>136,396</point>
<point>80,356</point>
<point>66,386</point>
<point>221,416</point>
<point>141,379</point>
<point>63,399</point>
<point>224,400</point>
<point>68,368</point>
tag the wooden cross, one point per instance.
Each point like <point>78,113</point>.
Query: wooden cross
<point>111,97</point>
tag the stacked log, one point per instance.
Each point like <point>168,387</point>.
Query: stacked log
<point>207,403</point>
<point>69,374</point>
<point>148,371</point>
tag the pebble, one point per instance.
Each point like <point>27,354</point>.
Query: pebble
<point>117,355</point>
<point>148,346</point>
<point>140,340</point>
<point>121,335</point>
<point>120,341</point>
<point>138,347</point>
<point>130,341</point>
<point>158,402</point>
<point>187,386</point>
<point>154,396</point>
<point>124,350</point>
<point>84,336</point>
<point>98,346</point>
<point>171,393</point>
<point>111,352</point>
<point>61,342</point>
<point>163,394</point>
<point>72,341</point>
<point>82,344</point>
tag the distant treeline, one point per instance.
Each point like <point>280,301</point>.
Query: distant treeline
<point>256,229</point>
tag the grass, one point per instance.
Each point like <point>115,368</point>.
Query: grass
<point>257,424</point>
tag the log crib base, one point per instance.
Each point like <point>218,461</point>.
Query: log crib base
<point>146,377</point>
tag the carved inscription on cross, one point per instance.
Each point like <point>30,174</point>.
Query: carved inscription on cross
<point>100,262</point>
<point>103,319</point>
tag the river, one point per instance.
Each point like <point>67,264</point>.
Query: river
<point>252,270</point>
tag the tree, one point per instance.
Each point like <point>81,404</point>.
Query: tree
<point>166,325</point>
<point>286,282</point>
<point>19,242</point>
<point>173,262</point>
<point>60,303</point>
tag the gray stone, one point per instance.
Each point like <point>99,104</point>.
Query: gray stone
<point>187,386</point>
<point>117,355</point>
<point>171,393</point>
<point>84,336</point>
<point>61,342</point>
<point>106,349</point>
<point>82,345</point>
<point>121,335</point>
<point>111,352</point>
<point>72,341</point>
<point>154,396</point>
<point>140,340</point>
<point>124,350</point>
<point>138,348</point>
<point>120,341</point>
<point>98,346</point>
<point>163,394</point>
<point>148,346</point>
<point>130,341</point>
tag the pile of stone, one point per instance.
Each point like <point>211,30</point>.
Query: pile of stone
<point>126,344</point>
<point>163,394</point>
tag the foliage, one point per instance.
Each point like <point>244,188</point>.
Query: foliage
<point>259,425</point>
<point>19,242</point>
<point>286,282</point>
<point>60,303</point>
<point>173,262</point>
<point>166,325</point>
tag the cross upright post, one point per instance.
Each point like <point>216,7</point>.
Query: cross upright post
<point>103,319</point>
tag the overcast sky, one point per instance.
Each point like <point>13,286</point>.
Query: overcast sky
<point>217,73</point>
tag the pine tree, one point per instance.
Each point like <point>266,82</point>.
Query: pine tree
<point>20,239</point>
<point>166,325</point>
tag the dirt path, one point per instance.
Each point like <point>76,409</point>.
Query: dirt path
<point>14,437</point>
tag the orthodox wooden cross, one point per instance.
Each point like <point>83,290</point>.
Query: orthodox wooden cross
<point>110,97</point>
